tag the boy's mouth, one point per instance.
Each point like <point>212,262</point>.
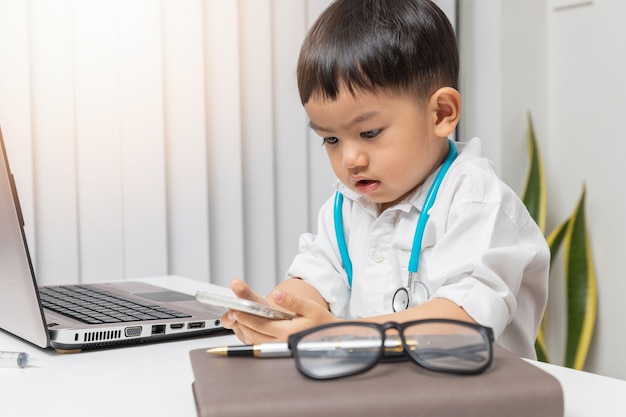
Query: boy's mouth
<point>366,186</point>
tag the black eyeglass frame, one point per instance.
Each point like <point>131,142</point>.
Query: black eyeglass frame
<point>486,333</point>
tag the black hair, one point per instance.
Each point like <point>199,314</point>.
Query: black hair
<point>378,45</point>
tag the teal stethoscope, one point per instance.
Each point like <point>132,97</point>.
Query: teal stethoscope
<point>416,291</point>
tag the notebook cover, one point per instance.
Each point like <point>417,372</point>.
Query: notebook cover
<point>511,387</point>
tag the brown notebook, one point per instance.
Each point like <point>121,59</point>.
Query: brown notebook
<point>511,387</point>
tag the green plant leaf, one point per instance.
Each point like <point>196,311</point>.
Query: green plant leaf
<point>581,288</point>
<point>555,239</point>
<point>540,346</point>
<point>534,195</point>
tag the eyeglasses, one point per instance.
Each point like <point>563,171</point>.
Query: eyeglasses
<point>347,348</point>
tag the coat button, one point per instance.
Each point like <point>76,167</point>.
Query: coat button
<point>378,256</point>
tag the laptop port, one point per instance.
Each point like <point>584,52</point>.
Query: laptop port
<point>132,331</point>
<point>158,329</point>
<point>177,325</point>
<point>195,325</point>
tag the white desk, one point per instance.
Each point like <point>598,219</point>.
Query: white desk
<point>155,380</point>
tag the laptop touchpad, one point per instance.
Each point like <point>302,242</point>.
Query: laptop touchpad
<point>166,296</point>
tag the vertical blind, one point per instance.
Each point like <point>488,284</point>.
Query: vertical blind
<point>160,137</point>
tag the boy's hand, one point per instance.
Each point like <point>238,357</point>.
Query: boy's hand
<point>252,329</point>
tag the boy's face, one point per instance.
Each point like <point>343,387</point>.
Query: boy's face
<point>380,145</point>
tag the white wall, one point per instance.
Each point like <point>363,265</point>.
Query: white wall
<point>586,145</point>
<point>503,76</point>
<point>564,60</point>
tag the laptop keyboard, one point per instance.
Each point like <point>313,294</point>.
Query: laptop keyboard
<point>95,306</point>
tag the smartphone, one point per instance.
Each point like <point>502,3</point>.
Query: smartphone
<point>241,304</point>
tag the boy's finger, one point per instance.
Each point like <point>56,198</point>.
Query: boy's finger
<point>242,290</point>
<point>227,320</point>
<point>293,303</point>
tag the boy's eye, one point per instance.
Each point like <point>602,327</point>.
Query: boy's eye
<point>370,134</point>
<point>331,140</point>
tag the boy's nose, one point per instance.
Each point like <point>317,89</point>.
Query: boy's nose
<point>353,157</point>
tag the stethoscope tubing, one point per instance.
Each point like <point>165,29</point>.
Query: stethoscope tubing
<point>428,203</point>
<point>341,238</point>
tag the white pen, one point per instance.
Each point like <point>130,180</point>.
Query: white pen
<point>281,350</point>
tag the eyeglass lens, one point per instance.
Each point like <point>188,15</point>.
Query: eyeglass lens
<point>338,351</point>
<point>349,349</point>
<point>449,347</point>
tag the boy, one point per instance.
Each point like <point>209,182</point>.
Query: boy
<point>377,79</point>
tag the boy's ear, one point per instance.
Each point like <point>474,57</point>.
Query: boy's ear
<point>446,105</point>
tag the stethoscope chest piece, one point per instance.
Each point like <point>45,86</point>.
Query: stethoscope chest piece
<point>401,299</point>
<point>406,297</point>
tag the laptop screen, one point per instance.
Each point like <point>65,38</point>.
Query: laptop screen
<point>20,312</point>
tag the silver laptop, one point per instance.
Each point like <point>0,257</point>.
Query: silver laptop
<point>72,318</point>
